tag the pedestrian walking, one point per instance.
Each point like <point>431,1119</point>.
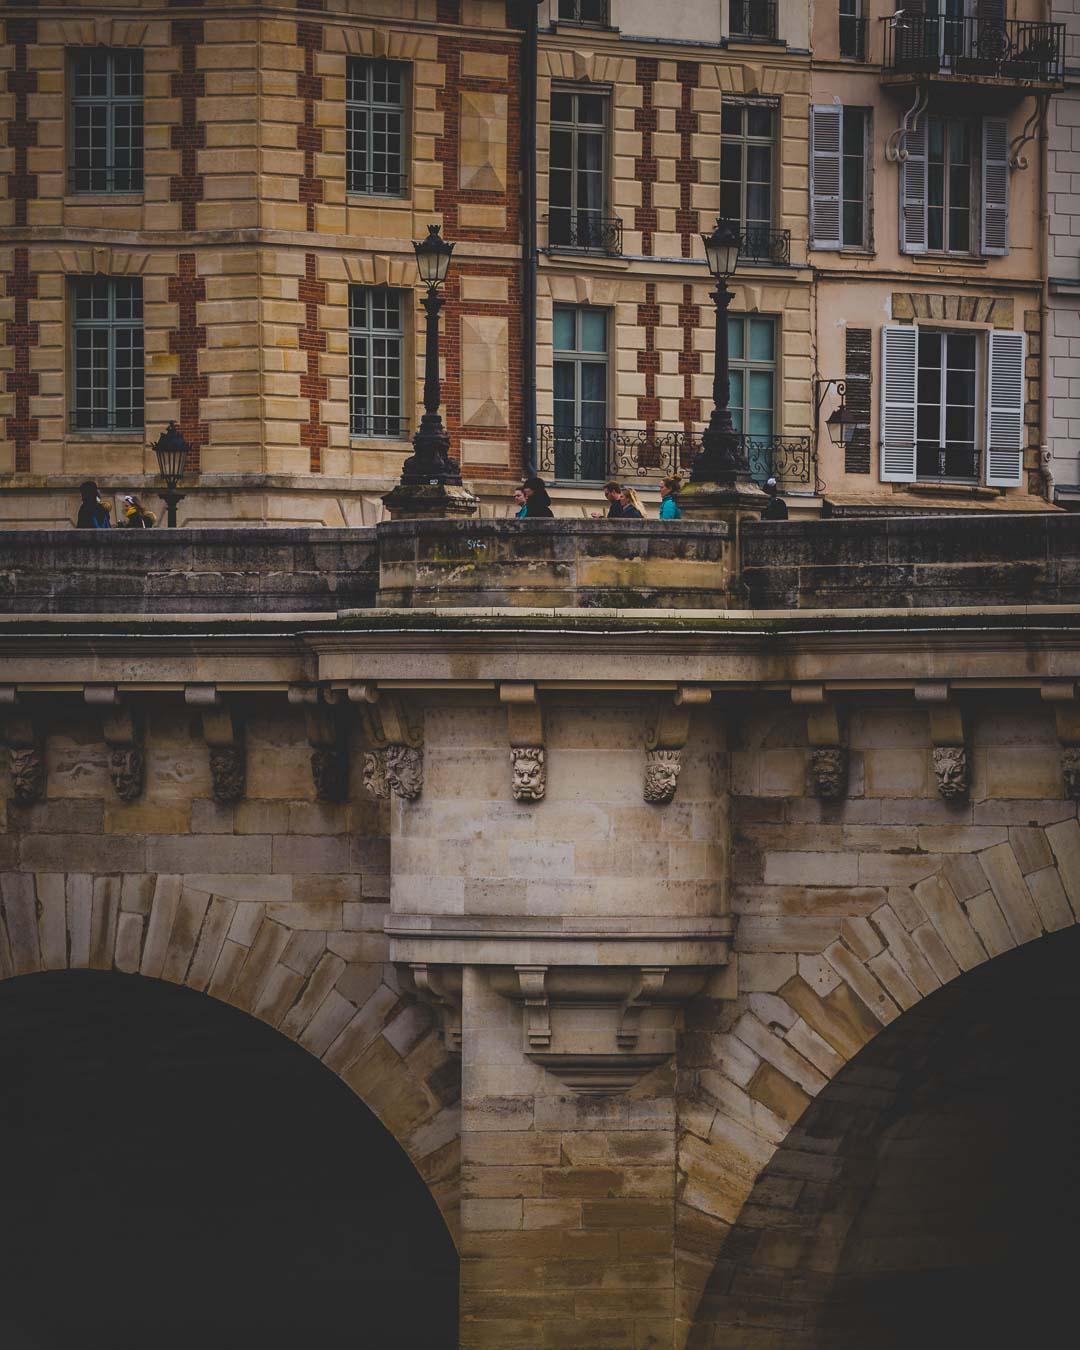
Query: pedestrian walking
<point>776,507</point>
<point>522,504</point>
<point>615,508</point>
<point>537,501</point>
<point>631,504</point>
<point>669,492</point>
<point>136,516</point>
<point>93,513</point>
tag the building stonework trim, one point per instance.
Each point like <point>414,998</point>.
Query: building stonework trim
<point>648,358</point>
<point>646,167</point>
<point>309,136</point>
<point>963,308</point>
<point>22,132</point>
<point>690,412</point>
<point>20,334</point>
<point>314,386</point>
<point>189,137</point>
<point>687,167</point>
<point>186,290</point>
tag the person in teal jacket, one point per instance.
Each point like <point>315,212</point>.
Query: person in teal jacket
<point>669,506</point>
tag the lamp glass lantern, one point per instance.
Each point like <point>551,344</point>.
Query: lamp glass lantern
<point>722,249</point>
<point>843,422</point>
<point>171,450</point>
<point>433,257</point>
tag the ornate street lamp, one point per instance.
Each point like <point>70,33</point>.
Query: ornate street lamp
<point>843,422</point>
<point>430,461</point>
<point>723,455</point>
<point>171,450</point>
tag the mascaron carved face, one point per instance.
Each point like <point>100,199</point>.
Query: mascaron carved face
<point>405,771</point>
<point>529,772</point>
<point>27,774</point>
<point>126,772</point>
<point>829,772</point>
<point>662,768</point>
<point>1070,771</point>
<point>951,771</point>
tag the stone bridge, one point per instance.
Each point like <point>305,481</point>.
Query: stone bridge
<point>700,923</point>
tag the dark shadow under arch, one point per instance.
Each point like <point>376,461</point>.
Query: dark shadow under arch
<point>929,1197</point>
<point>177,1174</point>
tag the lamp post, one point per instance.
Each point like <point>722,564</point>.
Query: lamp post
<point>171,450</point>
<point>723,456</point>
<point>430,462</point>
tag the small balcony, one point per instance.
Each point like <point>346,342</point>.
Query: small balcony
<point>595,454</point>
<point>585,232</point>
<point>962,50</point>
<point>752,20</point>
<point>378,427</point>
<point>759,244</point>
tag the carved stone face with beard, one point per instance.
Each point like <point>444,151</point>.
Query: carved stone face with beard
<point>405,771</point>
<point>951,771</point>
<point>1070,771</point>
<point>126,772</point>
<point>829,772</point>
<point>27,774</point>
<point>373,775</point>
<point>662,769</point>
<point>529,772</point>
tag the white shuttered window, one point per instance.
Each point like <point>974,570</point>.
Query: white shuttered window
<point>995,186</point>
<point>954,165</point>
<point>913,192</point>
<point>1005,410</point>
<point>825,124</point>
<point>899,364</point>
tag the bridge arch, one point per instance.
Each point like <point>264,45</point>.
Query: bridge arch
<point>807,1088</point>
<point>326,990</point>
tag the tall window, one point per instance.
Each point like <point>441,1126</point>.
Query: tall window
<point>949,160</point>
<point>752,385</point>
<point>839,200</point>
<point>375,128</point>
<point>581,381</point>
<point>591,12</point>
<point>752,18</point>
<point>578,168</point>
<point>107,341</point>
<point>946,402</point>
<point>376,362</point>
<point>748,133</point>
<point>853,195</point>
<point>107,121</point>
<point>852,30</point>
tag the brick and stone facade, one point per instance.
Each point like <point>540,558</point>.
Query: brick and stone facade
<point>1062,338</point>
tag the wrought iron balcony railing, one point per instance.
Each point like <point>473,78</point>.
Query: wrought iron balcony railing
<point>853,37</point>
<point>1005,49</point>
<point>593,454</point>
<point>103,419</point>
<point>758,243</point>
<point>752,19</point>
<point>364,184</point>
<point>956,463</point>
<point>379,427</point>
<point>585,230</point>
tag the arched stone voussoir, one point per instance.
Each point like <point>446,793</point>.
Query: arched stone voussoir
<point>773,1053</point>
<point>314,986</point>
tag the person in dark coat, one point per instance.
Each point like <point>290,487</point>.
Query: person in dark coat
<point>537,501</point>
<point>776,509</point>
<point>93,513</point>
<point>615,506</point>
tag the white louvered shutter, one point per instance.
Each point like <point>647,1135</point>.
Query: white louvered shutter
<point>995,186</point>
<point>1005,410</point>
<point>825,127</point>
<point>899,364</point>
<point>913,192</point>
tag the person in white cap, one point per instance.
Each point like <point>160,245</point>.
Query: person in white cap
<point>776,508</point>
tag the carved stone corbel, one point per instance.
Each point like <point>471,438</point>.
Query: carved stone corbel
<point>666,734</point>
<point>26,745</point>
<point>647,990</point>
<point>440,986</point>
<point>952,770</point>
<point>396,736</point>
<point>223,732</point>
<point>532,983</point>
<point>123,733</point>
<point>825,736</point>
<point>1062,694</point>
<point>328,736</point>
<point>525,729</point>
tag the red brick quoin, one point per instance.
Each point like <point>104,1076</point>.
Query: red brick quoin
<point>687,170</point>
<point>189,137</point>
<point>648,361</point>
<point>186,289</point>
<point>309,137</point>
<point>20,335</point>
<point>313,385</point>
<point>646,169</point>
<point>21,131</point>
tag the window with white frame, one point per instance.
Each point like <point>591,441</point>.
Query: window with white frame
<point>954,186</point>
<point>752,385</point>
<point>580,371</point>
<point>106,121</point>
<point>747,151</point>
<point>577,171</point>
<point>839,180</point>
<point>375,149</point>
<point>376,362</point>
<point>852,24</point>
<point>107,354</point>
<point>952,405</point>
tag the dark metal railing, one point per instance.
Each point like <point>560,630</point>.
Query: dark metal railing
<point>585,230</point>
<point>1010,49</point>
<point>593,454</point>
<point>758,243</point>
<point>752,18</point>
<point>100,419</point>
<point>853,37</point>
<point>103,182</point>
<point>377,184</point>
<point>380,427</point>
<point>948,462</point>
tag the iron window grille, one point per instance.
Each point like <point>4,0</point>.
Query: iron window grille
<point>588,232</point>
<point>765,246</point>
<point>107,342</point>
<point>375,160</point>
<point>106,121</point>
<point>957,44</point>
<point>577,180</point>
<point>376,362</point>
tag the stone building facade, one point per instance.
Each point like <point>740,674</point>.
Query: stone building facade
<point>288,160</point>
<point>1063,319</point>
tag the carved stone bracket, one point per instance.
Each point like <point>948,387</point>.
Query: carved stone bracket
<point>952,770</point>
<point>666,733</point>
<point>373,775</point>
<point>396,737</point>
<point>328,736</point>
<point>525,729</point>
<point>1062,694</point>
<point>123,733</point>
<point>825,736</point>
<point>26,745</point>
<point>405,771</point>
<point>440,986</point>
<point>224,735</point>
